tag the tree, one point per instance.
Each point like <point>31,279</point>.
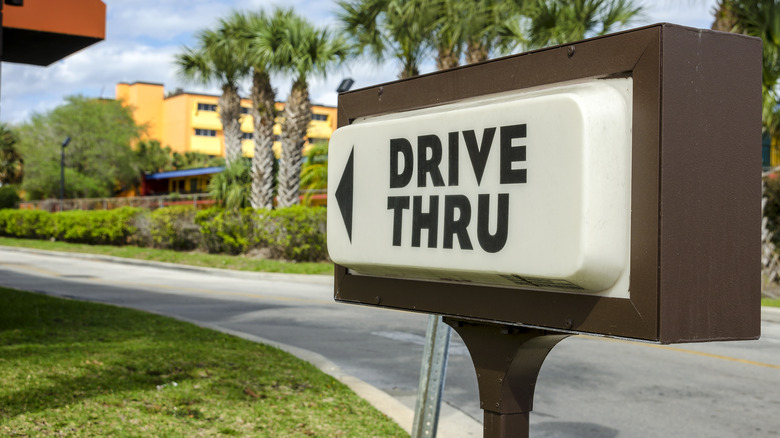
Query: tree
<point>195,160</point>
<point>263,37</point>
<point>401,29</point>
<point>11,161</point>
<point>447,35</point>
<point>313,51</point>
<point>491,26</point>
<point>560,21</point>
<point>98,161</point>
<point>231,187</point>
<point>314,174</point>
<point>151,157</point>
<point>219,58</point>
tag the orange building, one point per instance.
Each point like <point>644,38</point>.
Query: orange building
<point>190,121</point>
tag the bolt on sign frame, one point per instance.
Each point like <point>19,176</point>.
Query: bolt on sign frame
<point>695,188</point>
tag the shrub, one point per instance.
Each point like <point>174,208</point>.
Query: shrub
<point>102,227</point>
<point>230,231</point>
<point>174,228</point>
<point>296,233</point>
<point>9,197</point>
<point>30,224</point>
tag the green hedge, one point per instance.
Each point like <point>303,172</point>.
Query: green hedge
<point>295,233</point>
<point>174,228</point>
<point>228,231</point>
<point>31,224</point>
<point>105,227</point>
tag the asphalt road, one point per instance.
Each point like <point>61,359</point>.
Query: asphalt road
<point>588,387</point>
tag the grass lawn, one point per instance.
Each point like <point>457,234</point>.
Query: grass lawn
<point>71,368</point>
<point>770,302</point>
<point>239,263</point>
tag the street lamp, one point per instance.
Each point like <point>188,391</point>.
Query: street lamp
<point>62,170</point>
<point>345,85</point>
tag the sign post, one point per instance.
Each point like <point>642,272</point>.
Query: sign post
<point>609,186</point>
<point>507,361</point>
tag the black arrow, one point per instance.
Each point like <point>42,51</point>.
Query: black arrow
<point>344,193</point>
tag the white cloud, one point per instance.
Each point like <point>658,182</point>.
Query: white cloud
<point>165,20</point>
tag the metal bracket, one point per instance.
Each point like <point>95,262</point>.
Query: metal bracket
<point>507,360</point>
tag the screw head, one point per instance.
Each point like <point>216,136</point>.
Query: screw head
<point>570,51</point>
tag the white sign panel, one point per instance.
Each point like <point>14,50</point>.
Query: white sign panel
<point>527,189</point>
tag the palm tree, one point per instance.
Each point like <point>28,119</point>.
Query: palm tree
<point>449,31</point>
<point>312,51</point>
<point>231,187</point>
<point>314,173</point>
<point>262,37</point>
<point>492,26</point>
<point>399,28</point>
<point>217,58</point>
<point>560,21</point>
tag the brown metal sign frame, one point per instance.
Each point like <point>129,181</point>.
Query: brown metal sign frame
<point>695,194</point>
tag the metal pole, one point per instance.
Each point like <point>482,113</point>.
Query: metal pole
<point>507,360</point>
<point>432,374</point>
<point>62,173</point>
<point>62,170</point>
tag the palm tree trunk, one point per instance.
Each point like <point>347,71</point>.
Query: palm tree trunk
<point>229,115</point>
<point>297,116</point>
<point>476,51</point>
<point>409,71</point>
<point>263,113</point>
<point>724,18</point>
<point>447,58</point>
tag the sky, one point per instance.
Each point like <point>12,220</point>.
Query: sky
<point>143,36</point>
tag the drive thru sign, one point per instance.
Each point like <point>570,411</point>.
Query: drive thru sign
<point>526,188</point>
<point>609,186</point>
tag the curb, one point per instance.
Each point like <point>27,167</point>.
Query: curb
<point>269,276</point>
<point>770,314</point>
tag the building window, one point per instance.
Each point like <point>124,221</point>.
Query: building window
<point>244,110</point>
<point>319,117</point>
<point>207,107</point>
<point>206,132</point>
<point>246,136</point>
